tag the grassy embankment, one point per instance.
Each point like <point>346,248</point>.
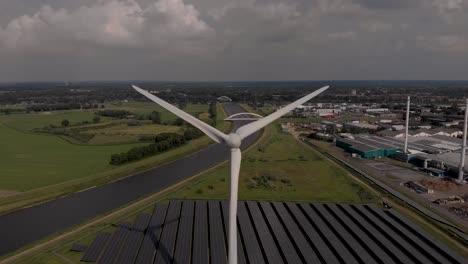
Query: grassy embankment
<point>40,167</point>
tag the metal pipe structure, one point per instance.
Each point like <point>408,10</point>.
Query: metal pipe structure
<point>234,141</point>
<point>461,168</point>
<point>407,125</point>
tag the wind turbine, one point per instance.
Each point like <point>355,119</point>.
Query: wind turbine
<point>234,141</point>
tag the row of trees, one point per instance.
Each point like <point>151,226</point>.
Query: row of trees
<point>66,122</point>
<point>114,113</point>
<point>213,112</point>
<point>60,106</point>
<point>162,142</point>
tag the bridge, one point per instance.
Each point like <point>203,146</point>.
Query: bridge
<point>224,99</point>
<point>243,117</point>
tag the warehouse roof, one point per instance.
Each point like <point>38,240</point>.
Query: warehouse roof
<point>270,232</point>
<point>371,141</point>
<point>358,145</point>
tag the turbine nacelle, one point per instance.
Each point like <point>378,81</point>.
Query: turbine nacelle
<point>233,140</point>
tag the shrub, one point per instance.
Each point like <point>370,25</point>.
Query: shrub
<point>65,122</point>
<point>285,180</point>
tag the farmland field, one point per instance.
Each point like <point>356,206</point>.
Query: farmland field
<point>31,160</point>
<point>144,108</point>
<point>27,122</point>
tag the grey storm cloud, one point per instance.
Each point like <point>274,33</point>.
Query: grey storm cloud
<point>233,40</point>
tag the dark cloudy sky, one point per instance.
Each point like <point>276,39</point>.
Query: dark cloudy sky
<point>233,39</point>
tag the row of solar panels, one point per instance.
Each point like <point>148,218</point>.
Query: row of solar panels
<point>269,232</point>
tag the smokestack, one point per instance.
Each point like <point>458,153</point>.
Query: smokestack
<point>407,125</point>
<point>462,155</point>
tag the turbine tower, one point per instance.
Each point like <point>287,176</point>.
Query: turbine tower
<point>234,141</point>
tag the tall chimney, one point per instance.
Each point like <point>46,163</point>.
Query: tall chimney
<point>407,125</point>
<point>461,168</point>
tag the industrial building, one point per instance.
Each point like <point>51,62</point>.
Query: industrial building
<point>367,147</point>
<point>438,156</point>
<point>363,126</point>
<point>431,145</point>
<point>446,163</point>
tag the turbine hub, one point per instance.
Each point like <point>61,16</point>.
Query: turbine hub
<point>233,141</point>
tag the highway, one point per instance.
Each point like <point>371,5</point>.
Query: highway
<point>23,227</point>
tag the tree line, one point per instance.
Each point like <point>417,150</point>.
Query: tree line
<point>213,112</point>
<point>162,142</point>
<point>114,113</point>
<point>60,106</point>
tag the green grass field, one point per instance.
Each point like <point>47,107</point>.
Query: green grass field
<point>122,133</point>
<point>298,173</point>
<point>27,122</point>
<point>135,130</point>
<point>145,108</point>
<point>32,161</point>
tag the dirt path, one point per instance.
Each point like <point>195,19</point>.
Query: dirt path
<point>4,193</point>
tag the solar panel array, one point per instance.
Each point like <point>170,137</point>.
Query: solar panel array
<point>79,248</point>
<point>270,232</point>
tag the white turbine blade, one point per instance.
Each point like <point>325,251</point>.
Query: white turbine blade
<point>253,127</point>
<point>236,158</point>
<point>210,131</point>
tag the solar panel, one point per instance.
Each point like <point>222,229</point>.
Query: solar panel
<point>282,238</point>
<point>96,247</point>
<point>296,236</point>
<point>412,245</point>
<point>436,245</point>
<point>378,237</point>
<point>113,247</point>
<point>401,243</point>
<point>266,238</point>
<point>353,245</point>
<point>78,247</point>
<point>152,236</point>
<point>183,249</point>
<point>373,249</point>
<point>141,223</point>
<point>336,243</point>
<point>132,243</point>
<point>217,249</point>
<point>130,248</point>
<point>166,245</point>
<point>200,235</point>
<point>313,236</point>
<point>253,250</point>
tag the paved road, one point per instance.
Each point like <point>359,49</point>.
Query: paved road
<point>26,226</point>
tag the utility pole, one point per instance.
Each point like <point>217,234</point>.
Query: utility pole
<point>461,168</point>
<point>407,125</point>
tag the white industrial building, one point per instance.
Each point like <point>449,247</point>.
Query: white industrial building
<point>376,110</point>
